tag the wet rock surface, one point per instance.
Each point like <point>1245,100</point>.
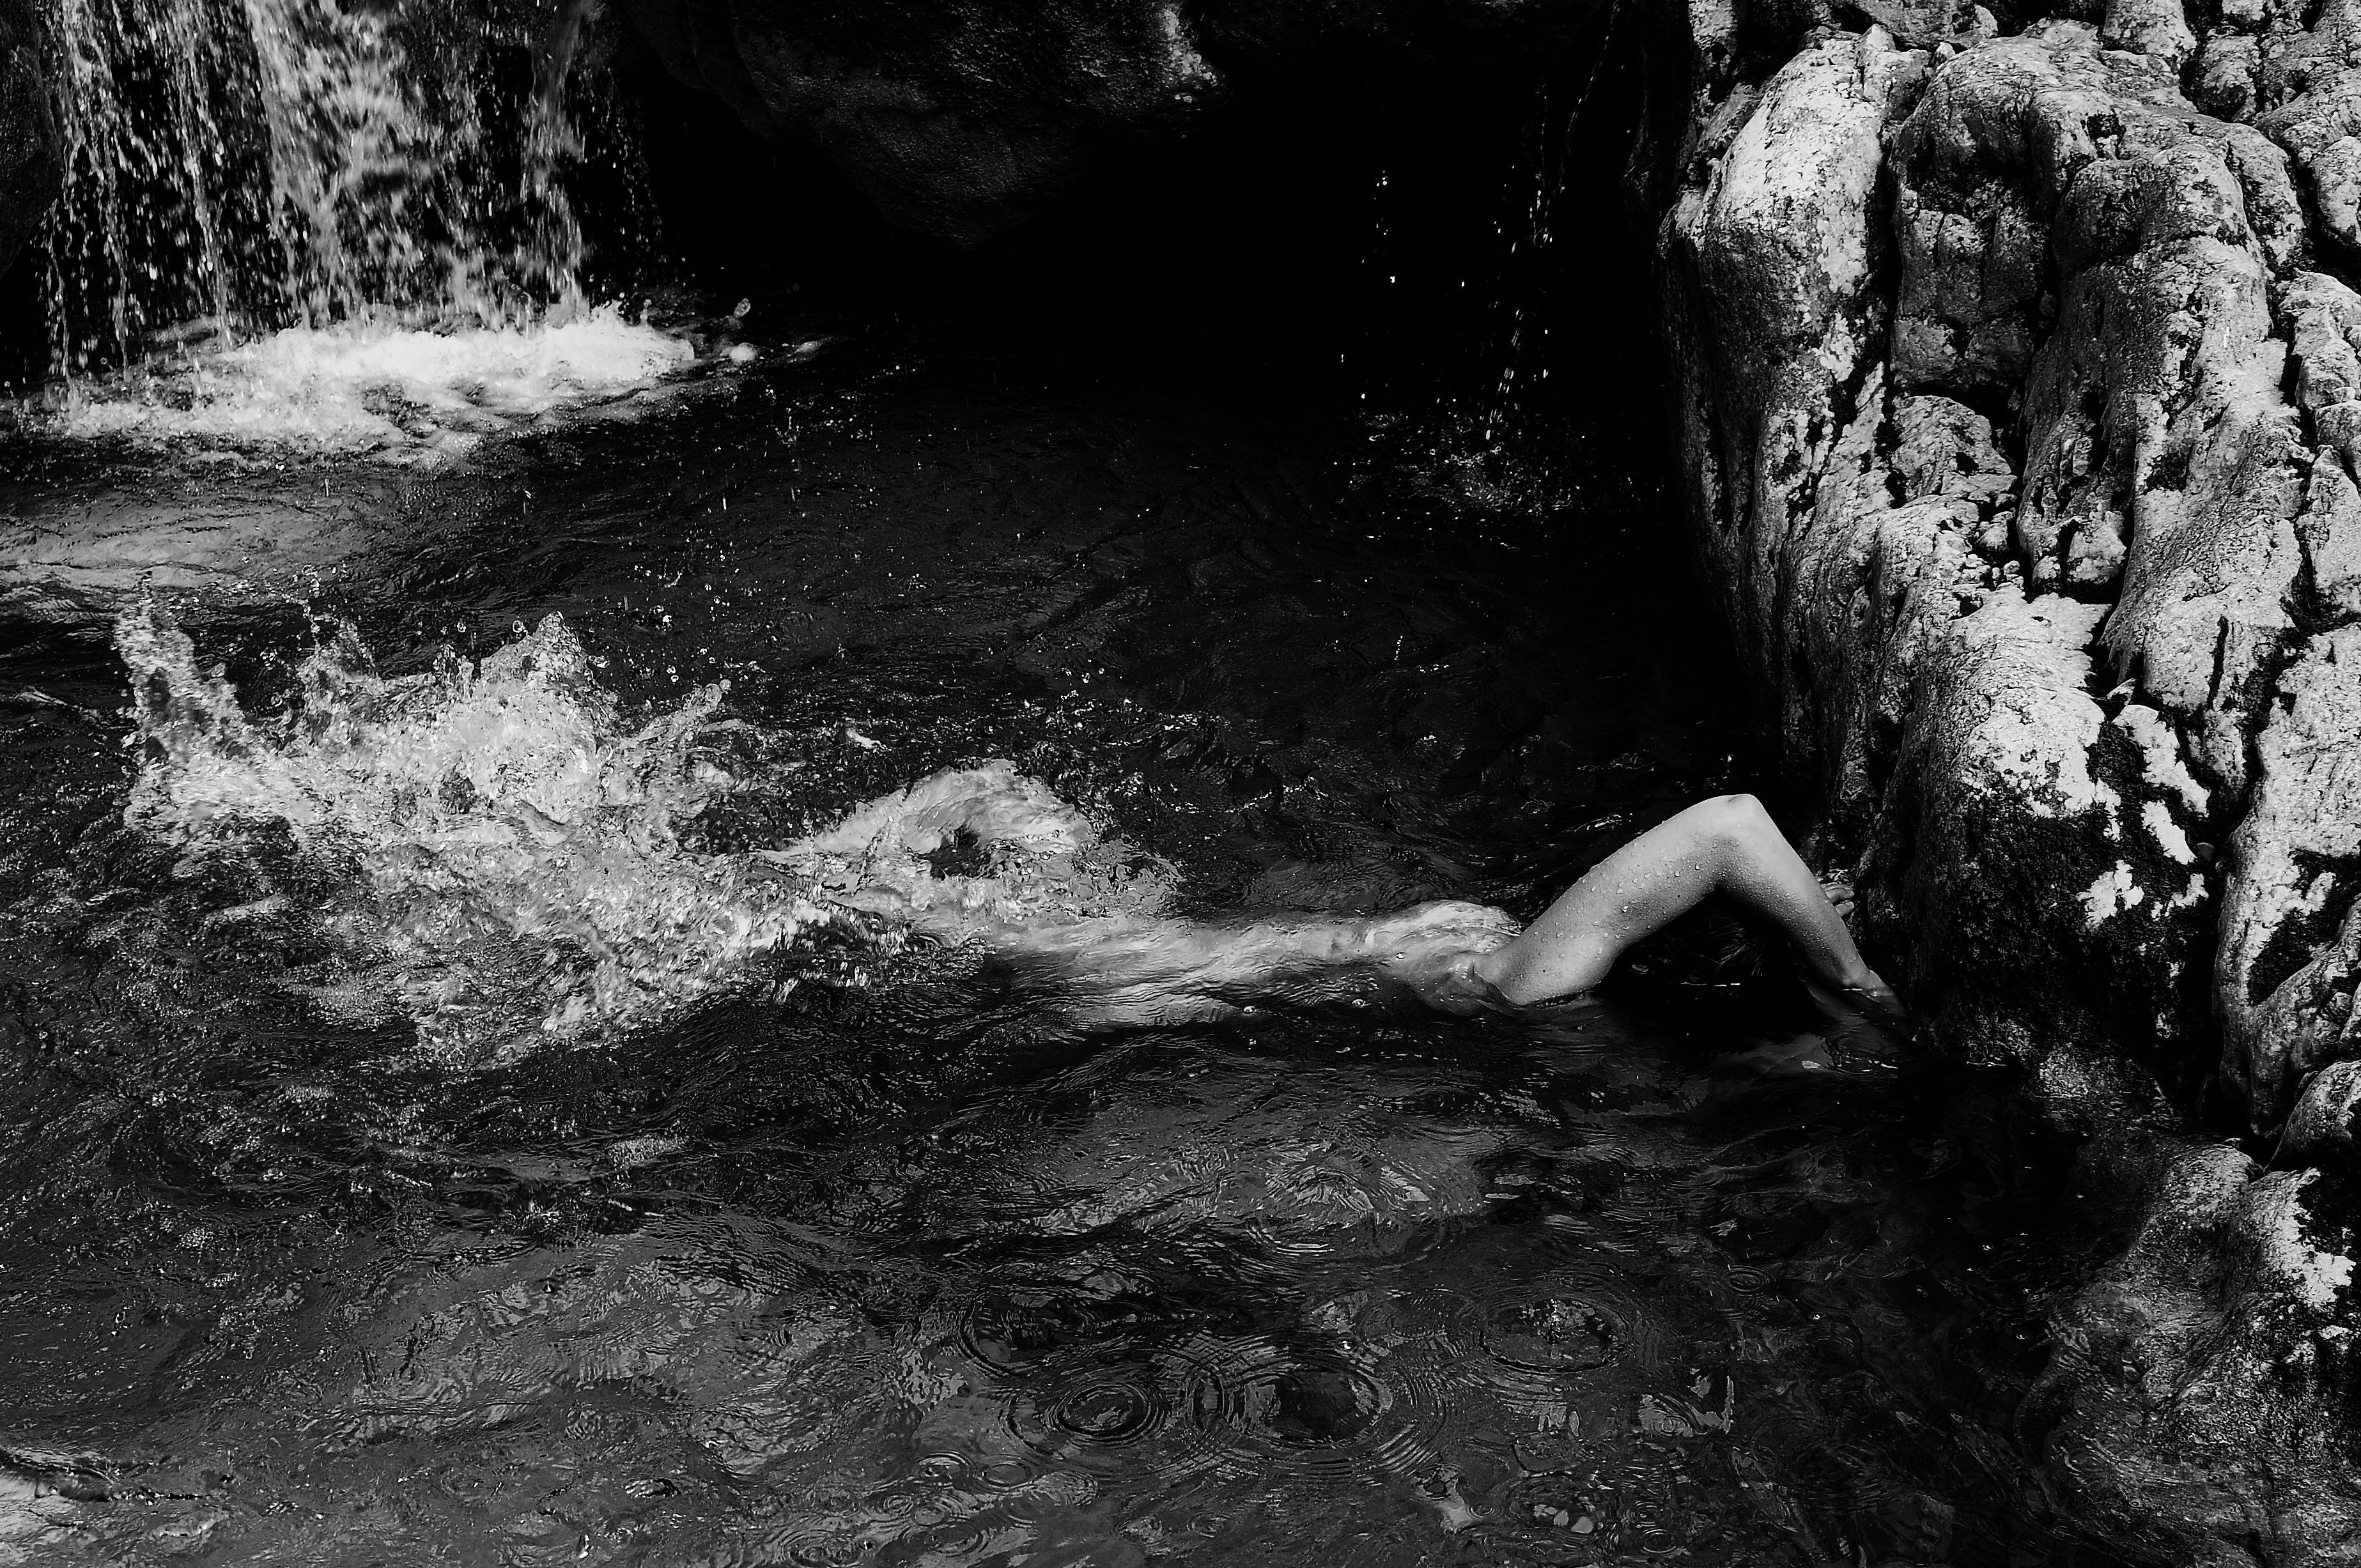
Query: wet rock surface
<point>2017,397</point>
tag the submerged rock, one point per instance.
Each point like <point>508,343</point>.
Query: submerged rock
<point>2180,1407</point>
<point>30,170</point>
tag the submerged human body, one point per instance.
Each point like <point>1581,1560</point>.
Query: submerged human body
<point>1468,958</point>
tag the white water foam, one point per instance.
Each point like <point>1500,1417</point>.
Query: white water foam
<point>376,386</point>
<point>503,849</point>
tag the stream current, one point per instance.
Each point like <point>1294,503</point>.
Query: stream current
<point>513,1054</point>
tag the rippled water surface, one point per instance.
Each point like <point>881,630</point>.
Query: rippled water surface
<point>394,1178</point>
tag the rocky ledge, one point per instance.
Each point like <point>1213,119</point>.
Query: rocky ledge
<point>2021,413</point>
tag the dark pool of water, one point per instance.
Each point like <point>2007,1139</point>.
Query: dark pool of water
<point>910,1271</point>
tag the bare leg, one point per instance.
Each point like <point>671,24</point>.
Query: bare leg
<point>1727,845</point>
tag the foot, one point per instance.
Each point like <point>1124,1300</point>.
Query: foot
<point>1867,995</point>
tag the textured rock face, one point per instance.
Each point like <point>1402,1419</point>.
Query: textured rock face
<point>2018,397</point>
<point>963,119</point>
<point>31,173</point>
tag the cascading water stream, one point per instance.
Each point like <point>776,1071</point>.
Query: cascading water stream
<point>340,223</point>
<point>244,165</point>
<point>1517,356</point>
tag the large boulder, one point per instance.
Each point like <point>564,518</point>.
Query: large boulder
<point>31,170</point>
<point>2017,432</point>
<point>966,119</point>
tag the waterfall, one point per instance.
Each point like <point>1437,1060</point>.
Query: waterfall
<point>238,166</point>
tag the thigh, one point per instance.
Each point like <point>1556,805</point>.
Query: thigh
<point>1633,892</point>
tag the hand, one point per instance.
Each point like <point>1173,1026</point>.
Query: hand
<point>1837,888</point>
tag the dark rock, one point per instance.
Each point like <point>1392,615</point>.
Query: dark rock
<point>31,172</point>
<point>956,118</point>
<point>2179,1405</point>
<point>965,119</point>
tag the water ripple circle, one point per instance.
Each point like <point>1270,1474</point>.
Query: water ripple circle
<point>1259,1404</point>
<point>1553,1333</point>
<point>1108,1409</point>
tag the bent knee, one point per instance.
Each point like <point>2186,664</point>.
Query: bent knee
<point>1736,816</point>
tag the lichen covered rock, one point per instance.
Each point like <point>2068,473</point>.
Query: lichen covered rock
<point>2027,848</point>
<point>2291,949</point>
<point>2021,458</point>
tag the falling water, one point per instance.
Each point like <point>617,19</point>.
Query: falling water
<point>239,166</point>
<point>1517,356</point>
<point>1524,271</point>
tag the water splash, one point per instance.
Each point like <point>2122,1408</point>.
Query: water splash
<point>375,385</point>
<point>495,852</point>
<point>497,846</point>
<point>980,851</point>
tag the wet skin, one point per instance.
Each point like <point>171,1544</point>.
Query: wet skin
<point>1727,846</point>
